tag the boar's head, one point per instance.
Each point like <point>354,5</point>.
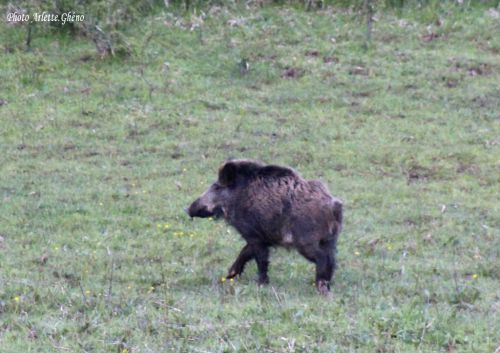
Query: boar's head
<point>210,203</point>
<point>232,175</point>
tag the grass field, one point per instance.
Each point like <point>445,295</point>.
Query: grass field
<point>98,158</point>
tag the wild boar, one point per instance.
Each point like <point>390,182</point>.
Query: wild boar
<point>269,206</point>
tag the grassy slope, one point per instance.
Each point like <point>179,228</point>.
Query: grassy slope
<point>98,159</point>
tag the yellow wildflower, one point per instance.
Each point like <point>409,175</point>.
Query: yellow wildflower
<point>475,276</point>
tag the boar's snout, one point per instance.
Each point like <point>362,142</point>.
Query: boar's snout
<point>195,209</point>
<point>209,204</point>
<point>198,209</point>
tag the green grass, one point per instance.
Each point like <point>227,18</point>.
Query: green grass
<point>97,156</point>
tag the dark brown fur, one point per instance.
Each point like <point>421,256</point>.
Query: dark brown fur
<point>274,206</point>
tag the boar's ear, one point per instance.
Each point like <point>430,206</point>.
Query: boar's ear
<point>227,173</point>
<point>231,170</point>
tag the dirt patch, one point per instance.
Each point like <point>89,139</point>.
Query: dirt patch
<point>472,68</point>
<point>359,70</point>
<point>292,73</point>
<point>312,53</point>
<point>451,83</point>
<point>69,147</point>
<point>470,169</point>
<point>418,173</point>
<point>487,102</point>
<point>361,94</point>
<point>330,59</point>
<point>429,37</point>
<point>264,57</point>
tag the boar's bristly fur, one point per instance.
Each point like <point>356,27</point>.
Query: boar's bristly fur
<point>274,206</point>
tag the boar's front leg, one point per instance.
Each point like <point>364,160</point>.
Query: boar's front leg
<point>261,255</point>
<point>246,254</point>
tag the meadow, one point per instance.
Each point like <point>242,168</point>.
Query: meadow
<point>99,157</point>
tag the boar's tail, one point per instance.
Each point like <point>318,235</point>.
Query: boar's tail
<point>337,208</point>
<point>337,211</point>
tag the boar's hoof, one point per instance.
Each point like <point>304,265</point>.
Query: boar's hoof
<point>323,287</point>
<point>263,281</point>
<point>231,274</point>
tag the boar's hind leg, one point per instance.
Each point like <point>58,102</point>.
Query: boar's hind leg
<point>325,266</point>
<point>246,254</point>
<point>262,259</point>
